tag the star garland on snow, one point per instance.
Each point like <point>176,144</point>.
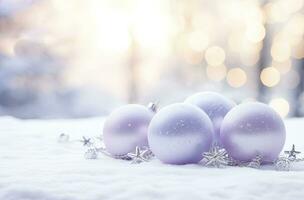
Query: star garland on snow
<point>285,163</point>
<point>216,157</point>
<point>95,146</point>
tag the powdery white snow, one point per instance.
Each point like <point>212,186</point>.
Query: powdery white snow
<point>34,166</point>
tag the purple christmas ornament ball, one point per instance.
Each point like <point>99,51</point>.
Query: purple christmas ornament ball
<point>180,133</point>
<point>252,129</point>
<point>216,106</point>
<point>126,128</point>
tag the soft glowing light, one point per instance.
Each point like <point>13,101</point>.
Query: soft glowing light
<point>113,34</point>
<point>198,40</point>
<point>295,5</point>
<point>298,51</point>
<point>280,51</point>
<point>270,76</point>
<point>102,40</point>
<point>280,105</point>
<point>235,41</point>
<point>7,45</point>
<point>287,37</point>
<point>215,56</point>
<point>236,77</point>
<point>151,27</point>
<point>249,59</point>
<point>277,11</point>
<point>148,73</point>
<point>216,73</point>
<point>283,67</point>
<point>255,32</point>
<point>296,25</point>
<point>193,57</point>
<point>201,20</point>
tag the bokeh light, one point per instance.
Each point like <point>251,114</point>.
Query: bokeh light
<point>270,76</point>
<point>198,40</point>
<point>255,32</point>
<point>298,52</point>
<point>133,51</point>
<point>280,51</point>
<point>215,55</point>
<point>280,105</point>
<point>283,67</point>
<point>236,77</point>
<point>216,73</point>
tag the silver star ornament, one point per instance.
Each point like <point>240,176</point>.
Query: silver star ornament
<point>216,157</point>
<point>139,156</point>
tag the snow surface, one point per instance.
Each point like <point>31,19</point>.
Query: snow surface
<point>34,166</point>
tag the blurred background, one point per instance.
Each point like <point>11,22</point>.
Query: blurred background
<point>82,58</point>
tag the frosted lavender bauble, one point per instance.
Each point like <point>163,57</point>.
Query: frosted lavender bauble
<point>252,129</point>
<point>126,128</point>
<point>180,133</point>
<point>216,106</point>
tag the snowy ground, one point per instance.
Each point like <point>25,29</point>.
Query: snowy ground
<point>34,166</point>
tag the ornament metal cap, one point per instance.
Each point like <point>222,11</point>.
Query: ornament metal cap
<point>153,106</point>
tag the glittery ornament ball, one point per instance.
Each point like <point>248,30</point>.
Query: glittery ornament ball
<point>126,128</point>
<point>252,129</point>
<point>215,105</point>
<point>180,133</point>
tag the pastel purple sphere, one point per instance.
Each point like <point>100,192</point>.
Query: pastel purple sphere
<point>252,129</point>
<point>216,106</point>
<point>126,128</point>
<point>180,133</point>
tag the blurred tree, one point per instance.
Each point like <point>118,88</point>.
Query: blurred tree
<point>299,100</point>
<point>133,70</point>
<point>263,63</point>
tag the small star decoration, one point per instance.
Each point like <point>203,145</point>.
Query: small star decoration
<point>139,156</point>
<point>216,157</point>
<point>86,141</point>
<point>284,163</point>
<point>292,154</point>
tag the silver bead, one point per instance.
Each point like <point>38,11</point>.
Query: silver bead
<point>255,162</point>
<point>282,164</point>
<point>90,153</point>
<point>63,138</point>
